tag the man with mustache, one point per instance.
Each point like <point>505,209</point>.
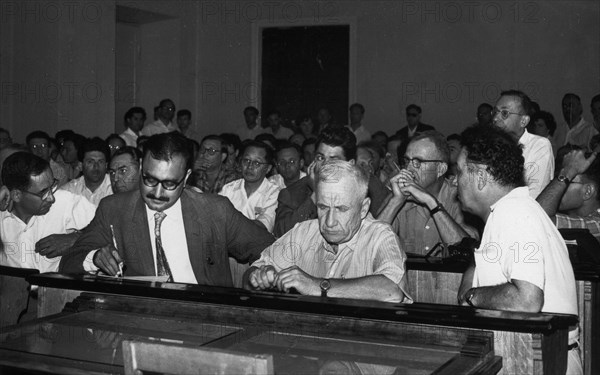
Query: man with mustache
<point>164,229</point>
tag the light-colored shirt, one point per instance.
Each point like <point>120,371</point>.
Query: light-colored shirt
<point>68,214</point>
<point>520,242</point>
<point>158,127</point>
<point>374,250</point>
<point>361,133</point>
<point>129,137</point>
<point>277,179</point>
<point>78,187</point>
<point>261,205</point>
<point>282,133</point>
<point>581,134</point>
<point>539,162</point>
<point>246,133</point>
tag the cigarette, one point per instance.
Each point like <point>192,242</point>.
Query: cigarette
<point>112,231</point>
<point>395,165</point>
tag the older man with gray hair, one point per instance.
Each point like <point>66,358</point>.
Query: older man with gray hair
<point>343,253</point>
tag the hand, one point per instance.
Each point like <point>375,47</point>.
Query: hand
<point>419,194</point>
<point>462,295</point>
<point>399,181</point>
<point>294,277</point>
<point>311,173</point>
<point>6,201</point>
<point>263,278</point>
<point>56,244</point>
<point>575,163</point>
<point>107,259</point>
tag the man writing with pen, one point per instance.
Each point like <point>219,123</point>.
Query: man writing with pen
<point>164,229</point>
<point>424,210</point>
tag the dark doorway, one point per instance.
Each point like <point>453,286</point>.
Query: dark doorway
<point>304,69</point>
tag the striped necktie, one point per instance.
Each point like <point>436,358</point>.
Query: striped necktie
<point>162,265</point>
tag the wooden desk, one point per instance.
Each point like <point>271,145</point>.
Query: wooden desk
<point>437,281</point>
<point>304,334</point>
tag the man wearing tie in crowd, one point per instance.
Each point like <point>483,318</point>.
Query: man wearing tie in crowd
<point>164,229</point>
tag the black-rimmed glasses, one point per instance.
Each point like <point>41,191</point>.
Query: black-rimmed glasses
<point>166,184</point>
<point>416,162</point>
<point>45,194</point>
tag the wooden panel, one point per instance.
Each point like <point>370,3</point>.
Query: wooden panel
<point>434,287</point>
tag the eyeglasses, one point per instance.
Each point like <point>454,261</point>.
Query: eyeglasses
<point>416,162</point>
<point>285,164</point>
<point>170,109</point>
<point>210,151</point>
<point>39,146</point>
<point>166,184</point>
<point>254,163</point>
<point>114,147</point>
<point>45,194</point>
<point>504,113</point>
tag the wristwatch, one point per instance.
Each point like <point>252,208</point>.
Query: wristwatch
<point>325,286</point>
<point>563,178</point>
<point>469,299</point>
<point>436,209</point>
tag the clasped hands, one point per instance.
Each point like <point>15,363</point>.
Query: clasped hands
<point>404,186</point>
<point>266,277</point>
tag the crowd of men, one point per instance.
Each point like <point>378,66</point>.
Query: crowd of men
<point>317,208</point>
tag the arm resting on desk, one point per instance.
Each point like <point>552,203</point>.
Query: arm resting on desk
<point>517,295</point>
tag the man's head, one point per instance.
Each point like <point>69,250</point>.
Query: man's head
<point>335,144</point>
<point>582,195</point>
<point>39,144</point>
<point>542,123</point>
<point>490,160</point>
<point>571,109</point>
<point>427,156</point>
<point>595,107</point>
<point>309,150</point>
<point>323,117</point>
<point>274,120</point>
<point>380,138</point>
<point>454,147</point>
<point>251,116</point>
<point>31,184</point>
<point>257,161</point>
<point>357,112</point>
<point>370,155</point>
<point>413,115</point>
<point>5,139</point>
<point>94,155</point>
<point>166,166</point>
<point>484,114</point>
<point>512,112</point>
<point>166,110</point>
<point>233,144</point>
<point>135,118</point>
<point>124,169</point>
<point>213,152</point>
<point>342,203</point>
<point>289,161</point>
<point>184,120</point>
<point>70,147</point>
<point>115,143</point>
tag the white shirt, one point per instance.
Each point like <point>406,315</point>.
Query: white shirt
<point>520,242</point>
<point>261,205</point>
<point>78,187</point>
<point>278,180</point>
<point>282,133</point>
<point>174,242</point>
<point>68,214</point>
<point>158,127</point>
<point>539,162</point>
<point>361,133</point>
<point>581,134</point>
<point>246,133</point>
<point>129,137</point>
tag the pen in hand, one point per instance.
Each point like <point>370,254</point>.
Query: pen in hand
<point>112,231</point>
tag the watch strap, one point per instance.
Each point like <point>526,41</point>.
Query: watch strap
<point>436,209</point>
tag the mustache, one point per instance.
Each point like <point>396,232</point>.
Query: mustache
<point>152,196</point>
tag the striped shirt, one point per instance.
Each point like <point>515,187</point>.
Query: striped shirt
<point>374,250</point>
<point>591,222</point>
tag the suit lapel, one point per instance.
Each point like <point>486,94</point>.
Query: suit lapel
<point>193,236</point>
<point>141,235</point>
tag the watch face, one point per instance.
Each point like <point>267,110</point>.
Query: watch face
<point>325,284</point>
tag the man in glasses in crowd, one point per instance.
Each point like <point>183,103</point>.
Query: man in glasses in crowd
<point>210,172</point>
<point>164,123</point>
<point>414,125</point>
<point>511,113</point>
<point>424,210</point>
<point>41,222</point>
<point>165,230</point>
<point>289,162</point>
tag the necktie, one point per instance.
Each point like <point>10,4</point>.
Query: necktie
<point>162,265</point>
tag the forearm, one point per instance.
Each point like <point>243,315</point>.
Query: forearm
<point>388,213</point>
<point>550,198</point>
<point>450,231</point>
<point>374,287</point>
<point>505,297</point>
<point>466,283</point>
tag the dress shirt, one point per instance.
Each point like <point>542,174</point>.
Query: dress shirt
<point>581,134</point>
<point>129,137</point>
<point>69,213</point>
<point>277,179</point>
<point>158,127</point>
<point>374,250</point>
<point>539,162</point>
<point>261,205</point>
<point>78,187</point>
<point>361,133</point>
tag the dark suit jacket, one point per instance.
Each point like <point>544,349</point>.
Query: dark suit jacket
<point>295,205</point>
<point>214,231</point>
<point>403,133</point>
